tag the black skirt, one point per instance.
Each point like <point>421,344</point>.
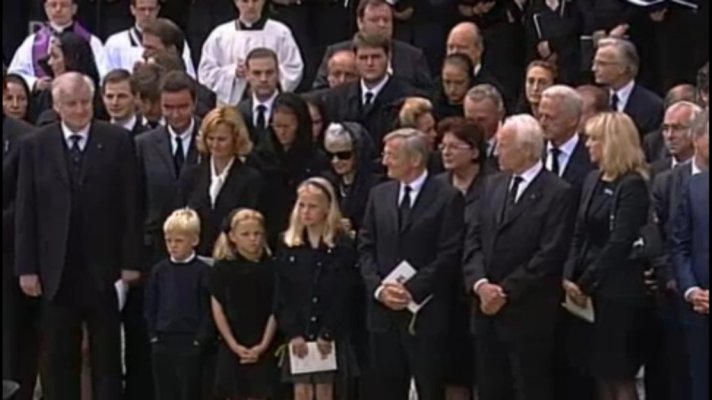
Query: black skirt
<point>252,380</point>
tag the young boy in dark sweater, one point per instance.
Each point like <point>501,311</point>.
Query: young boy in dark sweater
<point>177,310</point>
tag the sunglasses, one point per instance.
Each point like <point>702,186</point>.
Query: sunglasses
<point>342,155</point>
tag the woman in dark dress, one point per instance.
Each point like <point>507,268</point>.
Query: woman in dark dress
<point>462,147</point>
<point>221,182</point>
<point>286,158</point>
<point>242,287</point>
<point>540,76</point>
<point>613,210</point>
<point>315,261</point>
<point>16,99</point>
<point>457,77</point>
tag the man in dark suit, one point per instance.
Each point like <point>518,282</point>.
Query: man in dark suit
<point>262,72</point>
<point>485,107</point>
<point>418,219</point>
<point>690,254</point>
<point>373,100</point>
<point>77,236</point>
<point>654,142</point>
<point>560,111</point>
<point>119,97</point>
<point>20,314</point>
<point>514,255</point>
<point>466,38</point>
<point>616,66</point>
<point>405,61</point>
<point>678,134</point>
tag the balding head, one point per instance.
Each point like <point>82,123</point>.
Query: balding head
<point>466,38</point>
<point>678,129</point>
<point>342,68</point>
<point>684,92</point>
<point>72,97</point>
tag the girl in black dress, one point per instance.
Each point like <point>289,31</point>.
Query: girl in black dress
<point>242,287</point>
<point>316,259</point>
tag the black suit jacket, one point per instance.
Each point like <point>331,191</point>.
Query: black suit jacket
<point>599,259</point>
<point>646,108</point>
<point>257,136</point>
<point>408,62</point>
<point>139,127</point>
<point>345,103</point>
<point>206,100</point>
<point>159,184</point>
<point>662,165</point>
<point>13,131</point>
<point>242,189</point>
<point>524,254</point>
<point>109,206</point>
<point>579,167</point>
<point>431,241</point>
<point>654,146</point>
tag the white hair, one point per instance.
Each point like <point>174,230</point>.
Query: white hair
<point>695,112</point>
<point>528,133</point>
<point>486,91</point>
<point>568,97</point>
<point>337,136</point>
<point>415,143</point>
<point>70,82</point>
<point>626,51</point>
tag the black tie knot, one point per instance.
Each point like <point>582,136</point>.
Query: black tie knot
<point>369,98</point>
<point>614,101</point>
<point>261,116</point>
<point>555,165</point>
<point>75,140</point>
<point>514,191</point>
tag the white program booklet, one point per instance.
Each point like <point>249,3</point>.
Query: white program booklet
<point>585,313</point>
<point>313,362</point>
<point>402,274</point>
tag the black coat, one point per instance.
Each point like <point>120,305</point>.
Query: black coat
<point>242,189</point>
<point>578,167</point>
<point>431,241</point>
<point>599,258</point>
<point>646,108</point>
<point>13,131</point>
<point>523,254</point>
<point>312,297</point>
<point>654,146</point>
<point>108,194</point>
<point>256,135</point>
<point>409,65</point>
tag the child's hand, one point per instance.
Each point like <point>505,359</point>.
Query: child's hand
<point>242,351</point>
<point>299,347</point>
<point>325,348</point>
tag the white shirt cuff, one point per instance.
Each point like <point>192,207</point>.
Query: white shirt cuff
<point>689,292</point>
<point>377,293</point>
<point>479,284</point>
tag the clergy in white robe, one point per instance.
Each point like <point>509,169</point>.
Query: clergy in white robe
<point>227,47</point>
<point>124,49</point>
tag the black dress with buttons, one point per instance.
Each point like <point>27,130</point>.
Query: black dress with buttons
<point>313,301</point>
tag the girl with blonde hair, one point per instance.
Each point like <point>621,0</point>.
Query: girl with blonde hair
<point>315,268</point>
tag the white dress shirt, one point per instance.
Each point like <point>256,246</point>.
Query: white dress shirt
<point>623,95</point>
<point>492,147</point>
<point>217,180</point>
<point>186,136</point>
<point>268,105</point>
<point>565,154</point>
<point>68,133</point>
<point>129,124</point>
<point>376,89</point>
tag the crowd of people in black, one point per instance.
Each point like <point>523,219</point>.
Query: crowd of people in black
<point>223,189</point>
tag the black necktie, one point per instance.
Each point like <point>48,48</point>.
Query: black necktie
<point>405,207</point>
<point>75,157</point>
<point>512,196</point>
<point>614,102</point>
<point>261,117</point>
<point>179,156</point>
<point>369,99</point>
<point>555,167</point>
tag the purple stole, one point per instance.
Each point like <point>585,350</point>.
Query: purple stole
<point>43,37</point>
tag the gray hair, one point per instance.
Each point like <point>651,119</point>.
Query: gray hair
<point>695,112</point>
<point>415,143</point>
<point>683,92</point>
<point>487,92</point>
<point>69,82</point>
<point>529,134</point>
<point>626,51</point>
<point>336,135</point>
<point>568,97</point>
<point>701,124</point>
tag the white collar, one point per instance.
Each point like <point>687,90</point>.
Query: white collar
<point>477,70</point>
<point>696,170</point>
<point>58,28</point>
<point>186,133</point>
<point>268,103</point>
<point>129,124</point>
<point>84,132</point>
<point>567,148</point>
<point>223,174</point>
<point>188,260</point>
<point>376,89</point>
<point>418,183</point>
<point>624,94</point>
<point>529,175</point>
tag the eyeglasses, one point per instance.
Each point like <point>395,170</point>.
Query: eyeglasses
<point>341,155</point>
<point>454,147</point>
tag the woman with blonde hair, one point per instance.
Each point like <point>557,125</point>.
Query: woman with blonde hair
<point>315,266</point>
<point>242,290</point>
<point>221,182</point>
<point>417,113</point>
<point>602,269</point>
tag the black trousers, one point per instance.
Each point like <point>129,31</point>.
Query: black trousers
<point>20,335</point>
<point>514,370</point>
<point>63,334</point>
<point>396,356</point>
<point>138,378</point>
<point>177,371</point>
